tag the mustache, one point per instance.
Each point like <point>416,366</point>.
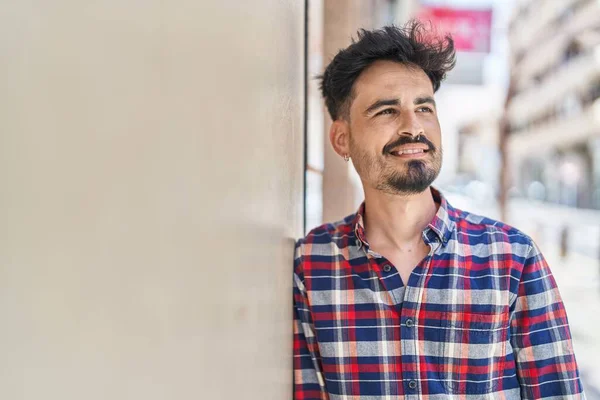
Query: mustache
<point>402,140</point>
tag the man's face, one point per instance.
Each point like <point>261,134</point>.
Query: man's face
<point>394,132</point>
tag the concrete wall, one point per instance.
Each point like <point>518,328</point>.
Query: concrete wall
<point>150,188</point>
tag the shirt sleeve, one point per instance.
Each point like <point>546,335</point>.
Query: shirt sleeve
<point>308,377</point>
<point>540,335</point>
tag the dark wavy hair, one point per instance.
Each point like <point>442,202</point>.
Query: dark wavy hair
<point>414,45</point>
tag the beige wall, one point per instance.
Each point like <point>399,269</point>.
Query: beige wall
<point>150,187</point>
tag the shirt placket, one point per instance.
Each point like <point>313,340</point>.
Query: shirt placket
<point>390,279</point>
<point>407,305</point>
<point>409,325</point>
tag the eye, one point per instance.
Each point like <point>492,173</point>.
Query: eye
<point>425,109</point>
<point>387,111</point>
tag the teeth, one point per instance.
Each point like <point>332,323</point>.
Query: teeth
<point>411,151</point>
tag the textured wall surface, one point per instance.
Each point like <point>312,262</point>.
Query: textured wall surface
<point>150,188</point>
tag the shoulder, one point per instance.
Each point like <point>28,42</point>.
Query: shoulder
<point>476,229</point>
<point>330,232</point>
<point>319,241</point>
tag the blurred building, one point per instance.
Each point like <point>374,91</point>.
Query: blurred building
<point>471,100</point>
<point>553,144</point>
<point>479,159</point>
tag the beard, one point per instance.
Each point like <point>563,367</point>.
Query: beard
<point>413,177</point>
<point>417,177</point>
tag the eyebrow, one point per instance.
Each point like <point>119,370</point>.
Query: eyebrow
<point>382,103</point>
<point>424,100</point>
<point>394,102</point>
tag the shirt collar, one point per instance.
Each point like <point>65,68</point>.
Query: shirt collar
<point>441,225</point>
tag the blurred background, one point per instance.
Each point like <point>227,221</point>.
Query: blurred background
<point>158,160</point>
<point>520,117</point>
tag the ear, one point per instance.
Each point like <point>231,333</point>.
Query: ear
<point>339,135</point>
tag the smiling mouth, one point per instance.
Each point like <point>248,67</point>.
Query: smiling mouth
<point>409,153</point>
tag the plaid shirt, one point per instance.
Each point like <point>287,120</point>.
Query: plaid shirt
<point>480,316</point>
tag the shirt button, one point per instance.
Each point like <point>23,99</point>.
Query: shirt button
<point>387,268</point>
<point>412,385</point>
<point>410,323</point>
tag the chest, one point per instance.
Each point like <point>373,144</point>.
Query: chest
<point>448,278</point>
<point>406,261</point>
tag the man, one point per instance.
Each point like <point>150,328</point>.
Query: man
<point>410,297</point>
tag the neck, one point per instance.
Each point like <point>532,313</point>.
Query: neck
<point>397,220</point>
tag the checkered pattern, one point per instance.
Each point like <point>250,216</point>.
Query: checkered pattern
<point>480,317</point>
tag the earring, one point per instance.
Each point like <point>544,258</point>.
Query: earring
<point>346,157</point>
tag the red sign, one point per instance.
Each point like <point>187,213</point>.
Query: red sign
<point>470,29</point>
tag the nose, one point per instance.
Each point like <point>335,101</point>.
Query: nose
<point>410,125</point>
